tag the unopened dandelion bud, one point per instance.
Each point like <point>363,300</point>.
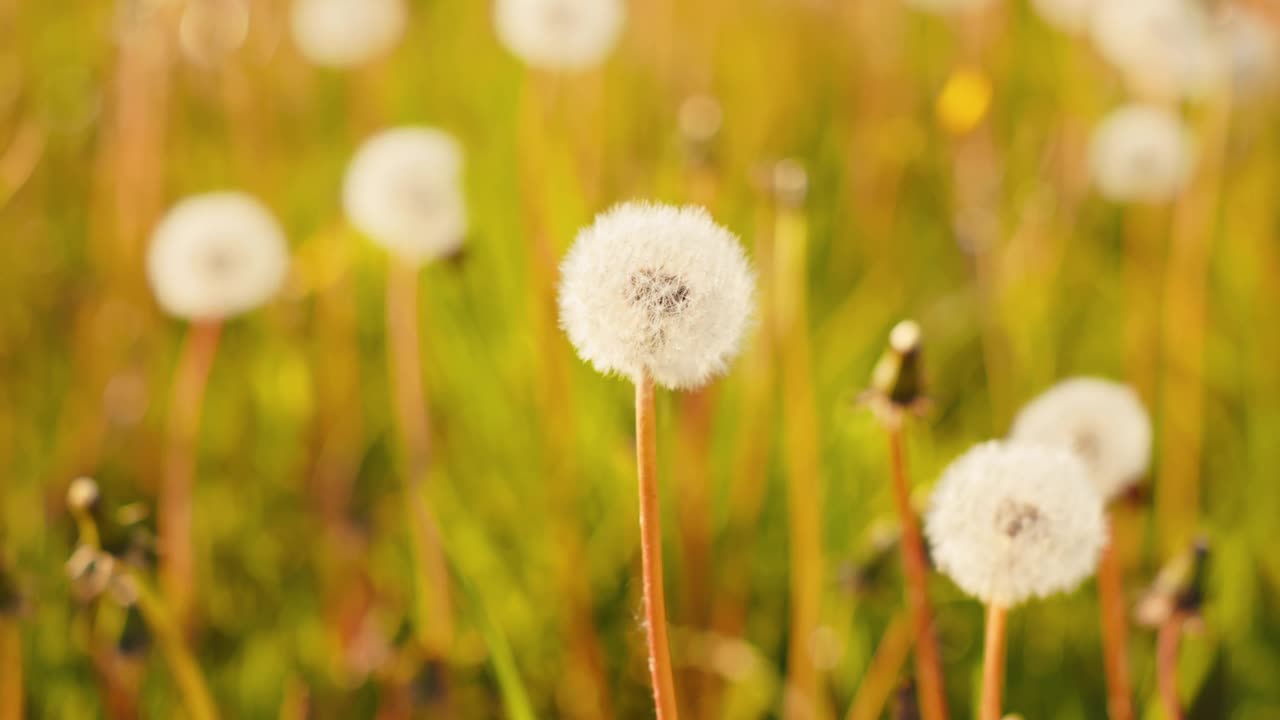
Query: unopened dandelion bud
<point>83,496</point>
<point>898,378</point>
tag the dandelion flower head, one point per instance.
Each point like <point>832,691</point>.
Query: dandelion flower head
<point>657,290</point>
<point>216,255</point>
<point>1102,422</point>
<point>1009,522</point>
<point>1162,47</point>
<point>403,189</point>
<point>1141,153</point>
<point>560,34</point>
<point>346,33</point>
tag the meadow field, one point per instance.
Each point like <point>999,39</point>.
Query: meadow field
<point>386,486</point>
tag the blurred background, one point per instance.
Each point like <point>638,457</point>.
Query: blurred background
<point>879,160</point>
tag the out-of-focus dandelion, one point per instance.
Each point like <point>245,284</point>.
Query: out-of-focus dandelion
<point>964,100</point>
<point>1251,48</point>
<point>403,189</point>
<point>560,34</point>
<point>1106,426</point>
<point>898,389</point>
<point>1141,153</point>
<point>211,30</point>
<point>1009,522</point>
<point>1163,48</point>
<point>1102,422</point>
<point>662,295</point>
<point>1067,15</point>
<point>216,255</point>
<point>211,257</point>
<point>1174,604</point>
<point>346,33</point>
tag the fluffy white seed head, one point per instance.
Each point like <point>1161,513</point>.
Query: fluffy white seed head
<point>1009,522</point>
<point>403,189</point>
<point>657,289</point>
<point>345,33</point>
<point>1141,153</point>
<point>216,255</point>
<point>560,34</point>
<point>1067,15</point>
<point>1102,422</point>
<point>1162,47</point>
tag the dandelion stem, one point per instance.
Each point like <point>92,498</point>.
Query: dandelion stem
<point>881,674</point>
<point>993,662</point>
<point>177,571</point>
<point>932,691</point>
<point>434,626</point>
<point>655,611</point>
<point>11,682</point>
<point>182,665</point>
<point>1114,634</point>
<point>1168,638</point>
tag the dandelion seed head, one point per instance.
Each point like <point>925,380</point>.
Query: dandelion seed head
<point>346,33</point>
<point>216,255</point>
<point>1009,522</point>
<point>1162,47</point>
<point>560,34</point>
<point>1141,153</point>
<point>403,189</point>
<point>657,289</point>
<point>1103,422</point>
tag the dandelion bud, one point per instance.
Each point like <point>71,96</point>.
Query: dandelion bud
<point>1008,522</point>
<point>560,34</point>
<point>82,495</point>
<point>657,290</point>
<point>403,189</point>
<point>216,255</point>
<point>1102,422</point>
<point>898,376</point>
<point>345,33</point>
<point>1141,153</point>
<point>1162,47</point>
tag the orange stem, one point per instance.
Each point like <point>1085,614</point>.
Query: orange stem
<point>1115,635</point>
<point>993,662</point>
<point>1168,639</point>
<point>11,682</point>
<point>655,610</point>
<point>434,623</point>
<point>932,690</point>
<point>191,378</point>
<point>881,674</point>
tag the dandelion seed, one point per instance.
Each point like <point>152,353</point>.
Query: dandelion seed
<point>403,189</point>
<point>560,34</point>
<point>216,255</point>
<point>1163,47</point>
<point>657,290</point>
<point>1008,522</point>
<point>345,33</point>
<point>1141,153</point>
<point>1102,422</point>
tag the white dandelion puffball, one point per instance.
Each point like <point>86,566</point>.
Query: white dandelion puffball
<point>657,290</point>
<point>947,7</point>
<point>560,34</point>
<point>216,255</point>
<point>345,33</point>
<point>1141,153</point>
<point>1162,47</point>
<point>1066,15</point>
<point>1009,522</point>
<point>1102,422</point>
<point>403,189</point>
